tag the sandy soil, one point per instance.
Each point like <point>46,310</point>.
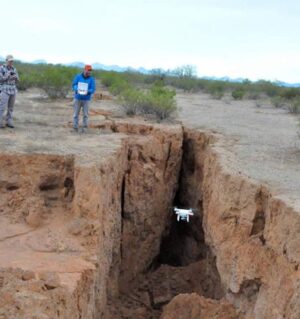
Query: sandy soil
<point>260,141</point>
<point>45,126</point>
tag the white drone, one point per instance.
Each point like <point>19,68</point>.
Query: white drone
<point>183,214</point>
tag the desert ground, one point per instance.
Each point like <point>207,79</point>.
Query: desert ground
<point>258,140</point>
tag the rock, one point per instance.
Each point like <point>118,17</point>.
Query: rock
<point>34,218</point>
<point>193,306</point>
<point>139,313</point>
<point>51,279</point>
<point>28,275</point>
<point>77,226</point>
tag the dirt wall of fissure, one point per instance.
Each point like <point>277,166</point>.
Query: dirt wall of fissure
<point>75,235</point>
<point>254,236</point>
<point>78,232</point>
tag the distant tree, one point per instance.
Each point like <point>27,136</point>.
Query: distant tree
<point>185,71</point>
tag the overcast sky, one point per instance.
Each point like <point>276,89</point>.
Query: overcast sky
<point>255,39</point>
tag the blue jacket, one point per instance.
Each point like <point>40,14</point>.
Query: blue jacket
<point>91,86</point>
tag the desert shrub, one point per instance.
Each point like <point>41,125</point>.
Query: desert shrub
<point>163,106</point>
<point>152,78</point>
<point>183,77</point>
<point>188,84</point>
<point>294,106</point>
<point>253,94</point>
<point>184,83</point>
<point>238,93</point>
<point>109,78</point>
<point>116,82</point>
<point>158,89</point>
<point>26,81</point>
<point>158,101</point>
<point>56,81</point>
<point>252,91</point>
<point>267,87</point>
<point>155,75</point>
<point>290,93</point>
<point>216,89</point>
<point>278,101</point>
<point>119,86</point>
<point>130,100</point>
<point>28,76</point>
<point>134,77</point>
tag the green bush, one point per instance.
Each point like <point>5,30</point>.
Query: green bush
<point>238,94</point>
<point>130,100</point>
<point>118,86</point>
<point>163,106</point>
<point>290,93</point>
<point>152,78</point>
<point>158,101</point>
<point>26,81</point>
<point>116,82</point>
<point>108,78</point>
<point>252,91</point>
<point>55,80</point>
<point>267,87</point>
<point>216,89</point>
<point>185,83</point>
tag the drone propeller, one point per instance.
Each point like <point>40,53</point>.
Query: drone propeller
<point>196,210</point>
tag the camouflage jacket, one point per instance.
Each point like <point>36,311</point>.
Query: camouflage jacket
<point>8,79</point>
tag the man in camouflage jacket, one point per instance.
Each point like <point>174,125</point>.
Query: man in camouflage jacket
<point>8,90</point>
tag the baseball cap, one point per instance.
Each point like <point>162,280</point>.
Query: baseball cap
<point>88,67</point>
<point>9,58</point>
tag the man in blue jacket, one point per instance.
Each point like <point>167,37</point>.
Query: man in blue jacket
<point>84,87</point>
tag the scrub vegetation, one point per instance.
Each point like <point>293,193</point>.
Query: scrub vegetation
<point>154,93</point>
<point>55,80</point>
<point>155,100</point>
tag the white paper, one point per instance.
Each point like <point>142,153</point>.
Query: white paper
<point>82,88</point>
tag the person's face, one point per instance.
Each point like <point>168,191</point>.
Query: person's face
<point>10,62</point>
<point>87,73</point>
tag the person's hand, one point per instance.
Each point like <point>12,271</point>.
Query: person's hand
<point>13,75</point>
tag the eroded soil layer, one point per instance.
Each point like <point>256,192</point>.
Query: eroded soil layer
<point>95,236</point>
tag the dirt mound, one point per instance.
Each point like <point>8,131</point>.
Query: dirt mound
<point>193,306</point>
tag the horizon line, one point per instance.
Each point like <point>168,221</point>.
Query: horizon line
<point>127,67</point>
